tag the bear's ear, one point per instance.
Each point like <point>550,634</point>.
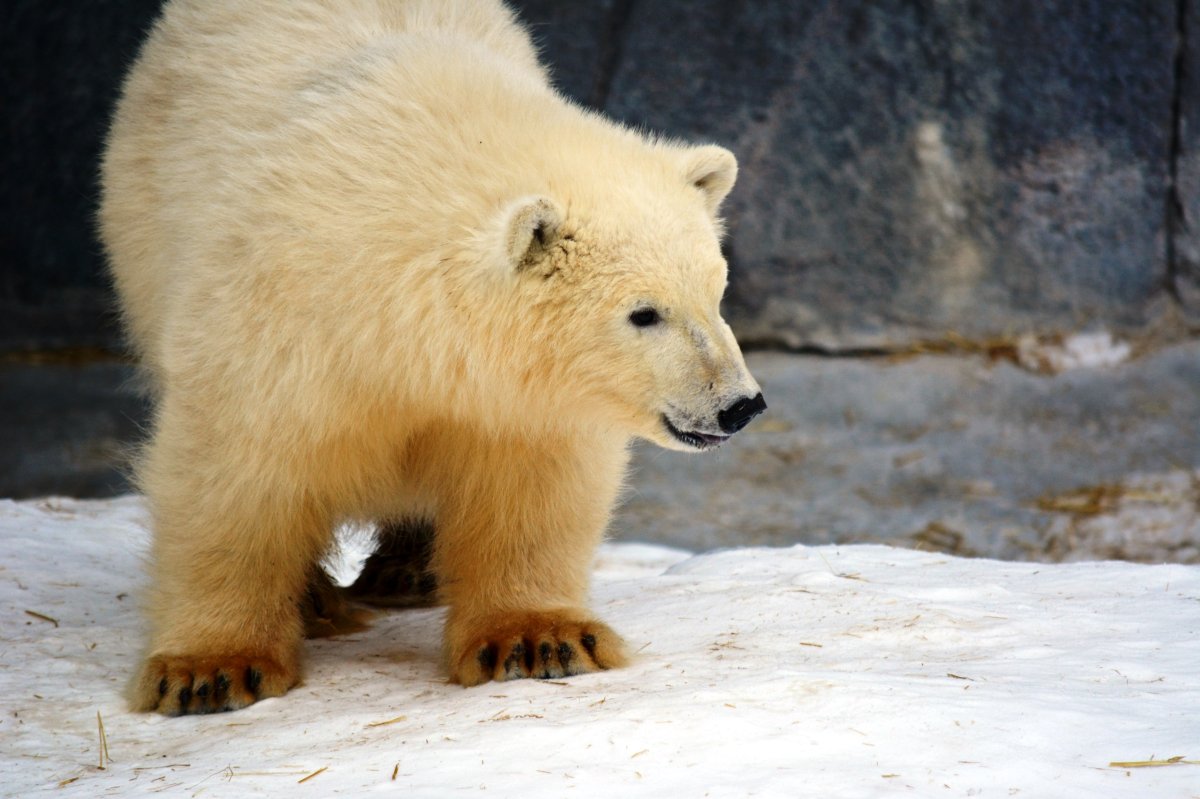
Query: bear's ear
<point>530,225</point>
<point>712,170</point>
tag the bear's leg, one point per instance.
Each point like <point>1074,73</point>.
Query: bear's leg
<point>231,559</point>
<point>328,610</point>
<point>398,574</point>
<point>517,530</point>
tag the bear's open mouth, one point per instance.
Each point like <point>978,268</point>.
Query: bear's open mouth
<point>694,439</point>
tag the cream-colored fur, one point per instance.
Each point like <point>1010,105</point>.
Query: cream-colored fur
<point>377,267</point>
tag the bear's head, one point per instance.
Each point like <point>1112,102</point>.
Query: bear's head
<point>620,277</point>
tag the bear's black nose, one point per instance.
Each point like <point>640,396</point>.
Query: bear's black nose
<point>739,414</point>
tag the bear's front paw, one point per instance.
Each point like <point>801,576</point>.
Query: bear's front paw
<point>544,645</point>
<point>178,685</point>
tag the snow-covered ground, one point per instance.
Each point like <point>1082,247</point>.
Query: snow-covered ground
<point>824,672</point>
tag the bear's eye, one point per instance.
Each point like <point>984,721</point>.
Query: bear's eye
<point>644,317</point>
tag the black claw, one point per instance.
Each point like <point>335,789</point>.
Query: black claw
<point>253,680</point>
<point>185,697</point>
<point>565,653</point>
<point>487,658</point>
<point>162,687</point>
<point>589,643</point>
<point>545,653</point>
<point>522,656</point>
<point>516,663</point>
<point>220,688</point>
<point>202,692</point>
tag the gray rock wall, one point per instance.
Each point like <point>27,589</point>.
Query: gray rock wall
<point>60,68</point>
<point>910,168</point>
<point>1185,218</point>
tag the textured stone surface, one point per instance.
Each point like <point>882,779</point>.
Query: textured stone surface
<point>1187,221</point>
<point>579,40</point>
<point>60,68</point>
<point>946,453</point>
<point>915,167</point>
<point>67,428</point>
<point>954,454</point>
<point>909,168</point>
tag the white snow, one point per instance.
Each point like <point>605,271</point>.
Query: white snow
<point>1058,354</point>
<point>822,672</point>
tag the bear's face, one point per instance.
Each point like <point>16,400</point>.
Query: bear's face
<point>628,288</point>
<point>692,389</point>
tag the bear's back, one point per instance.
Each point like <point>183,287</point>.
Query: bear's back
<point>200,120</point>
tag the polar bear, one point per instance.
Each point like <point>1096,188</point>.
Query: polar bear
<point>377,268</point>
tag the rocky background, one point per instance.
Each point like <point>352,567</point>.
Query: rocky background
<point>916,175</point>
<point>916,168</point>
<point>910,168</point>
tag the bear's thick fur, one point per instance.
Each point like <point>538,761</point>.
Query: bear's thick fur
<point>378,269</point>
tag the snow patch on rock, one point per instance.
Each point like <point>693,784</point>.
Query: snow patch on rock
<point>1058,354</point>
